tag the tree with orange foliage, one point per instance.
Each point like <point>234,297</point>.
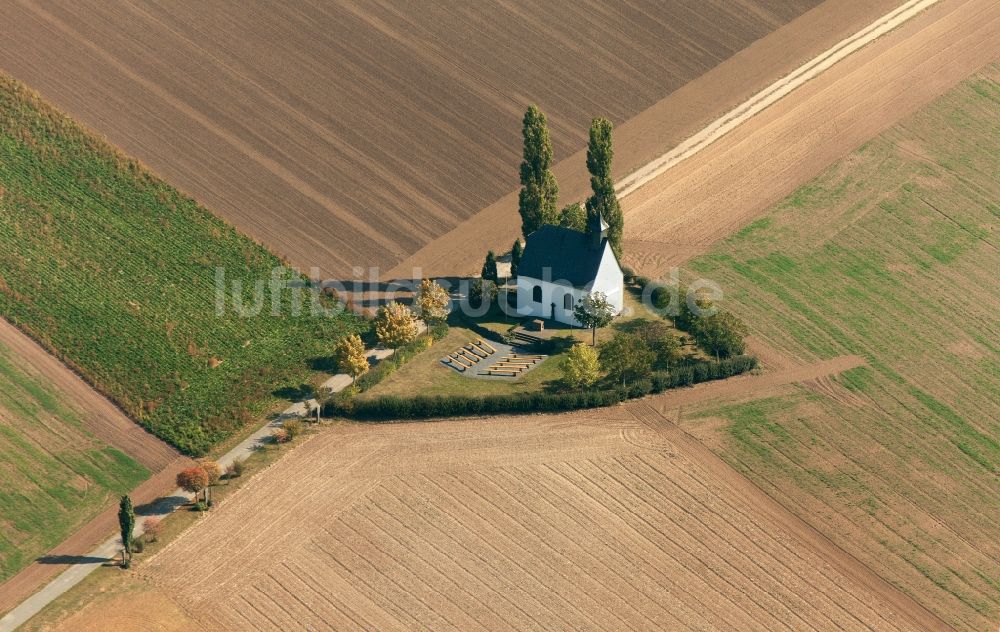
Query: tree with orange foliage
<point>193,480</point>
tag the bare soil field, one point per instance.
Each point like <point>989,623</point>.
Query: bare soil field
<point>891,255</point>
<point>591,520</point>
<point>346,134</point>
<point>722,188</point>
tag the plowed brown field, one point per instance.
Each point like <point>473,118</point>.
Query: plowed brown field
<point>354,133</point>
<point>589,521</point>
<point>725,186</point>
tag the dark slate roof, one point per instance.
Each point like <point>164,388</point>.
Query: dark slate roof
<point>569,255</point>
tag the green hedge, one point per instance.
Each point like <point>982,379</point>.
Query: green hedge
<point>390,408</point>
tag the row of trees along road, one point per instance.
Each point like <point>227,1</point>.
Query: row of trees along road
<point>539,195</point>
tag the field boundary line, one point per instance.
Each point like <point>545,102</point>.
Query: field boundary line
<point>848,565</point>
<point>109,549</point>
<point>770,95</point>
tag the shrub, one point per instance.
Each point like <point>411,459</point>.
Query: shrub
<point>279,435</point>
<point>438,330</point>
<point>152,529</point>
<point>580,368</point>
<point>200,506</point>
<point>642,281</point>
<point>293,427</point>
<point>629,274</point>
<point>660,296</point>
<point>138,545</point>
<point>235,468</point>
<point>426,406</point>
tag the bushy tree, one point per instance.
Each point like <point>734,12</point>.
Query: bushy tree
<point>489,271</point>
<point>395,325</point>
<point>193,480</point>
<point>604,201</point>
<point>539,191</point>
<point>213,471</point>
<point>482,290</point>
<point>573,216</point>
<point>722,334</point>
<point>593,311</point>
<point>350,355</point>
<point>432,301</point>
<point>515,257</point>
<point>581,367</point>
<point>658,336</point>
<point>126,525</point>
<point>626,358</point>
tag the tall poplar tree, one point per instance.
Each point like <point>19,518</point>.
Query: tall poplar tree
<point>604,200</point>
<point>539,191</point>
<point>126,522</point>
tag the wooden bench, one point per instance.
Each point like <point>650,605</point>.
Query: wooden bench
<point>498,373</point>
<point>476,350</point>
<point>486,346</point>
<point>451,364</point>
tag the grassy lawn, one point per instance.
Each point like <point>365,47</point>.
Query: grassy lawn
<point>891,254</point>
<point>426,375</point>
<point>115,272</point>
<point>55,476</point>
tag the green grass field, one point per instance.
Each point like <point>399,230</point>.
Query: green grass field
<point>54,476</point>
<point>891,254</point>
<point>114,271</point>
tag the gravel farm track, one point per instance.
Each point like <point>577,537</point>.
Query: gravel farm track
<point>104,421</point>
<point>475,525</point>
<point>344,135</point>
<point>586,520</point>
<point>724,186</point>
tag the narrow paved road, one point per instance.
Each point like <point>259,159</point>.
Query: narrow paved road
<point>165,506</point>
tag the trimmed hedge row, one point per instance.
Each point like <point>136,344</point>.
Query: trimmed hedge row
<point>389,408</point>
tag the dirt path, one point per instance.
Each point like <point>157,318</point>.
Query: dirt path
<point>345,133</point>
<point>80,554</point>
<point>769,509</point>
<point>724,186</point>
<point>78,546</point>
<point>98,415</point>
<point>751,384</point>
<point>712,195</point>
<point>106,422</point>
<point>769,96</point>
